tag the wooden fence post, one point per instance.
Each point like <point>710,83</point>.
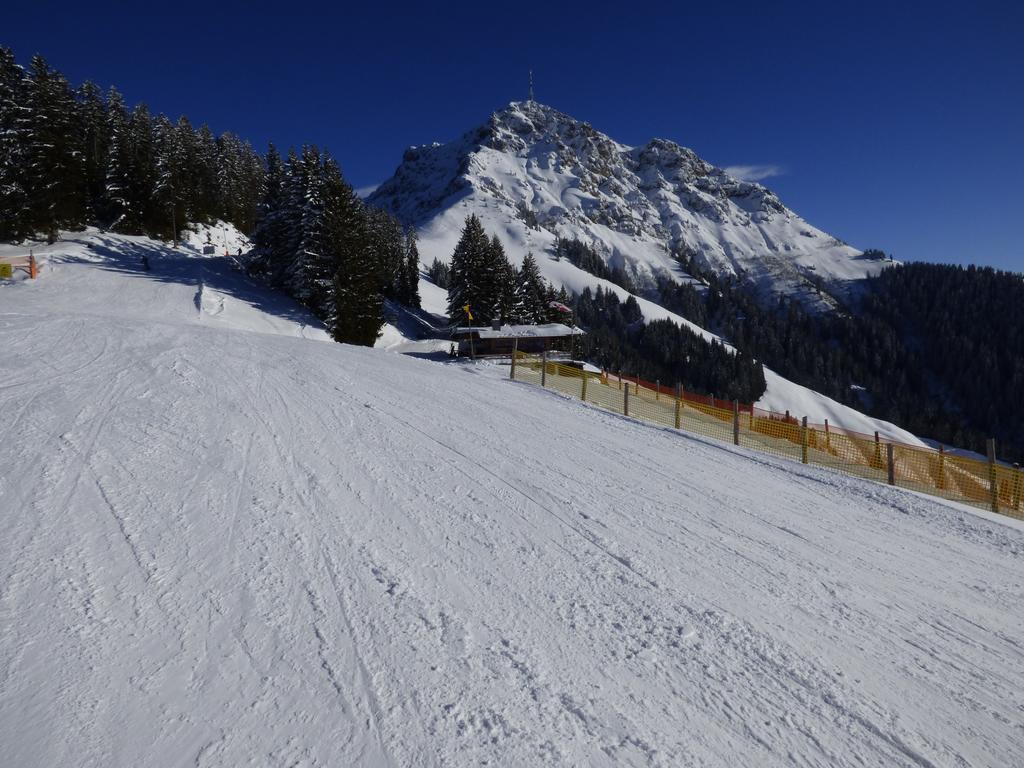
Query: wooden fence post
<point>828,437</point>
<point>1016,487</point>
<point>679,412</point>
<point>735,422</point>
<point>878,451</point>
<point>890,455</point>
<point>583,394</point>
<point>620,378</point>
<point>993,488</point>
<point>544,368</point>
<point>625,400</point>
<point>515,348</point>
<point>803,440</point>
<point>941,480</point>
<point>657,389</point>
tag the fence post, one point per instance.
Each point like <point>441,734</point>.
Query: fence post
<point>828,437</point>
<point>544,368</point>
<point>942,469</point>
<point>803,440</point>
<point>620,378</point>
<point>625,400</point>
<point>735,422</point>
<point>583,395</point>
<point>712,399</point>
<point>515,348</point>
<point>878,451</point>
<point>679,412</point>
<point>890,455</point>
<point>1016,487</point>
<point>993,488</point>
<point>657,389</point>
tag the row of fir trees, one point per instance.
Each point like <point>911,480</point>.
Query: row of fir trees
<point>481,278</point>
<point>71,157</point>
<point>316,240</point>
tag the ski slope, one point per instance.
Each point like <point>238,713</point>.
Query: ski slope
<point>226,541</point>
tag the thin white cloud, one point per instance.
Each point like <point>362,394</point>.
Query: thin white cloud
<point>365,192</point>
<point>755,172</point>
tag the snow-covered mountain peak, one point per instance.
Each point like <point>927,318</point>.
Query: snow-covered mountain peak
<point>534,174</point>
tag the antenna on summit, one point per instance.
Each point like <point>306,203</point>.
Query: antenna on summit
<point>530,99</point>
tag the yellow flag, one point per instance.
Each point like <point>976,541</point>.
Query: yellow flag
<point>465,308</point>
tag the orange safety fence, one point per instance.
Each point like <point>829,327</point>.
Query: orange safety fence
<point>991,485</point>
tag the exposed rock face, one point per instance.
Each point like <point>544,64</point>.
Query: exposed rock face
<point>534,174</point>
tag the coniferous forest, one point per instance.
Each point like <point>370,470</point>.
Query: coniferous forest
<point>937,349</point>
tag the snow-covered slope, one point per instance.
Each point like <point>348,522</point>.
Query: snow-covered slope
<point>533,174</point>
<point>227,544</point>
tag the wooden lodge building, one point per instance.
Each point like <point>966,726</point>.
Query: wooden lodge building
<point>500,340</point>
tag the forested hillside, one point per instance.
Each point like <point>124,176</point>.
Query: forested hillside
<point>937,349</point>
<point>71,157</point>
<point>76,156</point>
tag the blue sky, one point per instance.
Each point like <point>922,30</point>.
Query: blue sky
<point>897,125</point>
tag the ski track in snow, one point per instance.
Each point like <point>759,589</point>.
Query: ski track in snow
<point>226,547</point>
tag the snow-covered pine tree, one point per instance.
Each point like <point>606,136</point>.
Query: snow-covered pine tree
<point>123,213</point>
<point>503,282</point>
<point>240,180</point>
<point>440,273</point>
<point>56,172</point>
<point>311,274</point>
<point>208,197</point>
<point>466,278</point>
<point>249,180</point>
<point>171,188</point>
<point>357,312</point>
<point>271,235</point>
<point>142,176</point>
<point>92,117</point>
<point>411,297</point>
<point>530,304</point>
<point>14,219</point>
<point>386,241</point>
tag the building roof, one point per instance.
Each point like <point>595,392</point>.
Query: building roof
<point>548,330</point>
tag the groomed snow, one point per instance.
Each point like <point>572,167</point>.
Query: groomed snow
<point>227,544</point>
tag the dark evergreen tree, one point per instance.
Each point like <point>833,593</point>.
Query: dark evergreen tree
<point>467,280</point>
<point>271,237</point>
<point>531,306</point>
<point>358,302</point>
<point>56,181</point>
<point>14,151</point>
<point>411,282</point>
<point>168,205</point>
<point>387,242</point>
<point>439,273</point>
<point>502,278</point>
<point>92,117</point>
<point>124,213</point>
<point>143,175</point>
